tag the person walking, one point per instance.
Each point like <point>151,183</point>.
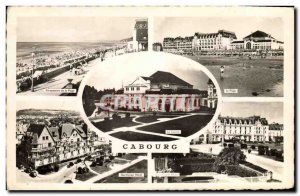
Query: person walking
<point>222,70</point>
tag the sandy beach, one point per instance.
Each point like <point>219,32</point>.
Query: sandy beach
<point>259,77</point>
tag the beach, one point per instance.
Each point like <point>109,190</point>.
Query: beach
<point>252,77</point>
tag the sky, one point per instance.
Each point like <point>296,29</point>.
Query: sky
<point>111,73</point>
<point>272,111</point>
<point>40,103</point>
<point>173,27</point>
<point>73,29</point>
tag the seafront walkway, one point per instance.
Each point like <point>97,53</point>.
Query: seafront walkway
<point>115,169</point>
<point>60,81</point>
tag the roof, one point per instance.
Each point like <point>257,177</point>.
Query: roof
<point>54,131</point>
<point>236,42</point>
<point>251,119</point>
<point>67,129</point>
<point>224,33</point>
<point>146,78</point>
<point>81,132</point>
<point>36,129</point>
<point>167,77</point>
<point>259,34</point>
<point>179,91</point>
<point>276,127</point>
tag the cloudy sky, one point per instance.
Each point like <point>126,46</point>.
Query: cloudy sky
<point>272,111</point>
<point>111,73</point>
<point>72,29</point>
<point>173,27</point>
<point>53,103</point>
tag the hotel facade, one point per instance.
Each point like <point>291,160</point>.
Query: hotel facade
<point>257,40</point>
<point>222,40</point>
<point>162,92</point>
<point>42,145</point>
<point>251,129</point>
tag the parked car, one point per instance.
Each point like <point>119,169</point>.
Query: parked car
<point>33,174</point>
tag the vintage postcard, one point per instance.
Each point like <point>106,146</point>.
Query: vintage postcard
<point>150,98</point>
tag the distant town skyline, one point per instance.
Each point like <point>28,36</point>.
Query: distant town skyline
<point>272,111</point>
<point>55,103</point>
<point>187,26</point>
<point>74,29</point>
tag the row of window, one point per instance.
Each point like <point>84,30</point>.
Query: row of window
<point>132,88</point>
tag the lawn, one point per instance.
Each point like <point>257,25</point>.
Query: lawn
<point>134,136</point>
<point>100,169</point>
<point>85,176</point>
<point>119,161</point>
<point>140,167</point>
<point>188,125</point>
<point>109,125</point>
<point>150,119</point>
<point>130,157</point>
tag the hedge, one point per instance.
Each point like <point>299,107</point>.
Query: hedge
<point>239,171</point>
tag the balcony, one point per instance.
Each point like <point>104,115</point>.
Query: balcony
<point>42,149</point>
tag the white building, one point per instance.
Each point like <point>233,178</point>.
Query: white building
<point>251,129</point>
<point>258,40</point>
<point>213,41</point>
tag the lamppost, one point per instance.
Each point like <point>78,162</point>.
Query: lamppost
<point>32,72</point>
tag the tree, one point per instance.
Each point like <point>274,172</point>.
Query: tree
<point>229,156</point>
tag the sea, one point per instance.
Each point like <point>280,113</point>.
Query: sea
<point>25,49</point>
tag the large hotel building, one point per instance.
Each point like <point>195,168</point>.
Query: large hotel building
<point>162,92</point>
<point>221,41</point>
<point>42,145</point>
<point>251,129</point>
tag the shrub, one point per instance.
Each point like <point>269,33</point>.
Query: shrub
<point>279,154</point>
<point>127,115</point>
<point>239,171</point>
<point>225,144</point>
<point>80,170</point>
<point>93,164</point>
<point>230,145</point>
<point>253,147</point>
<point>56,167</point>
<point>85,170</point>
<point>78,160</point>
<point>243,146</point>
<point>249,151</point>
<point>154,113</point>
<point>114,116</point>
<point>111,157</point>
<point>229,156</point>
<point>261,150</point>
<point>220,168</point>
<point>273,152</point>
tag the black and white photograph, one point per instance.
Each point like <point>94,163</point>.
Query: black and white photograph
<point>54,53</point>
<point>54,145</point>
<point>245,144</point>
<point>164,101</point>
<point>150,98</point>
<point>245,55</point>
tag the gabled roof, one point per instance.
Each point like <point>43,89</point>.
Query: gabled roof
<point>67,129</point>
<point>167,77</point>
<point>259,34</point>
<point>35,129</point>
<point>54,131</point>
<point>81,132</point>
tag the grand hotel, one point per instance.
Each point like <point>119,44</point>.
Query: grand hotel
<point>162,92</point>
<point>220,41</point>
